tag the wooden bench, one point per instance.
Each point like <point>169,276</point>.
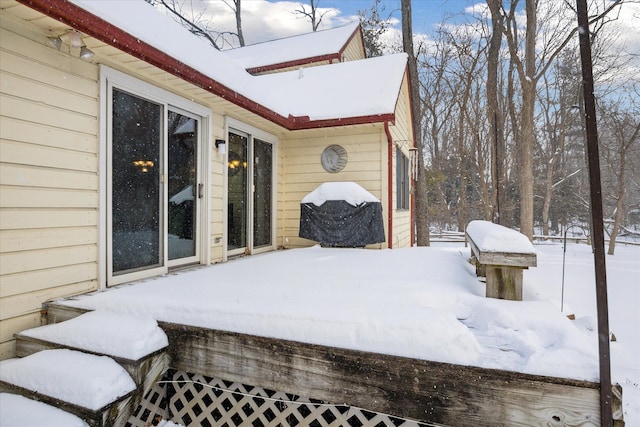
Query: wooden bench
<point>501,254</point>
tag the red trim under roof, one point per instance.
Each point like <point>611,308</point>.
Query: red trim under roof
<point>330,57</point>
<point>295,63</point>
<point>96,27</point>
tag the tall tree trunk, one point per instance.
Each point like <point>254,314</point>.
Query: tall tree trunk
<point>238,12</point>
<point>526,159</point>
<point>494,115</point>
<point>528,134</point>
<point>420,194</point>
<point>548,193</point>
<point>622,189</point>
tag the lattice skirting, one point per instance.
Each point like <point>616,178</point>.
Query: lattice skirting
<point>196,400</point>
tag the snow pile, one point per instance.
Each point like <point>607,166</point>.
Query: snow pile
<point>423,303</point>
<point>534,337</point>
<point>18,411</point>
<point>417,302</point>
<point>350,192</point>
<point>74,377</point>
<point>114,334</point>
<point>488,236</point>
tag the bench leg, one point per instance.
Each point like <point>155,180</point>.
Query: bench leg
<point>504,282</point>
<point>481,269</point>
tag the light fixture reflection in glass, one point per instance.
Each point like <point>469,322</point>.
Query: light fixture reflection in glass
<point>144,165</point>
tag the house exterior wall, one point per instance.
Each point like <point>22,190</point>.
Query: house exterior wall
<point>366,147</point>
<point>52,166</point>
<point>354,49</point>
<point>48,179</point>
<point>51,160</point>
<point>401,133</point>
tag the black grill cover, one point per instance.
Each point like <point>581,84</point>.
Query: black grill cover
<point>340,224</point>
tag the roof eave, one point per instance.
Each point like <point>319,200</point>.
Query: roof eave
<point>303,122</point>
<point>96,27</point>
<point>296,63</point>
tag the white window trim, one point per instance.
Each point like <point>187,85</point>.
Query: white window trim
<point>112,77</point>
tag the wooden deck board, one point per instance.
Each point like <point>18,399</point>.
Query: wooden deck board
<point>425,391</point>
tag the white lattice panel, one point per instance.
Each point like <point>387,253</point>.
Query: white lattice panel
<point>196,400</point>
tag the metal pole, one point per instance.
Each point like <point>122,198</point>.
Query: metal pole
<point>593,157</point>
<point>564,255</point>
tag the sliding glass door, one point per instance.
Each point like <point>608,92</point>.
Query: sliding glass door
<point>155,186</point>
<point>249,194</point>
<point>136,196</point>
<point>184,190</point>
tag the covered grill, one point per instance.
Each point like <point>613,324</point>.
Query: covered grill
<point>341,214</point>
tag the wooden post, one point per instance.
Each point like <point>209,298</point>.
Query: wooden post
<point>504,282</point>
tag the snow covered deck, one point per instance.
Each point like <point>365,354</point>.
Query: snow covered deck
<point>413,323</point>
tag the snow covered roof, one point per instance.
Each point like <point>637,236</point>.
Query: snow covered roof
<point>349,89</point>
<point>366,90</point>
<point>285,51</point>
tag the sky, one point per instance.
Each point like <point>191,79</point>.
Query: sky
<point>264,20</point>
<point>272,19</point>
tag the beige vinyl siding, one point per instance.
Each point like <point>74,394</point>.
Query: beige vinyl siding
<point>217,195</point>
<point>48,178</point>
<point>402,138</point>
<point>366,166</point>
<point>354,49</point>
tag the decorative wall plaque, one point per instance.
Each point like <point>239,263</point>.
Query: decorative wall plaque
<point>334,158</point>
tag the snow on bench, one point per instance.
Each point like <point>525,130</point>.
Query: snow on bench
<point>501,255</point>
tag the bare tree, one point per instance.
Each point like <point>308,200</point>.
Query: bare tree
<point>196,20</point>
<point>312,14</point>
<point>191,23</point>
<point>236,6</point>
<point>531,61</point>
<point>420,193</point>
<point>621,137</point>
<point>494,114</point>
<point>374,25</point>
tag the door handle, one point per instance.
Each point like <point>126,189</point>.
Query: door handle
<point>200,191</point>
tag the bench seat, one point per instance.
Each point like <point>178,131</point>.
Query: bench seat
<point>501,256</point>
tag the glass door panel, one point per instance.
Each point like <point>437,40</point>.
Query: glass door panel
<point>182,185</point>
<point>136,199</point>
<point>262,166</point>
<point>237,192</point>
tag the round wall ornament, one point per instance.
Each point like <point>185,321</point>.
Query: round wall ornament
<point>334,158</point>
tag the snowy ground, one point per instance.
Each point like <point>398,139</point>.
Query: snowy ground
<point>419,302</point>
